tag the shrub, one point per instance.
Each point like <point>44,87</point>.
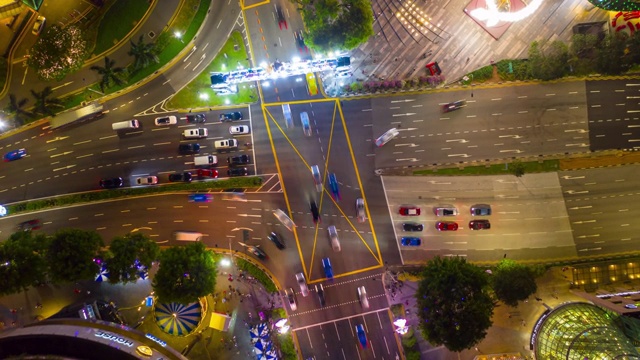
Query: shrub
<point>356,86</point>
<point>258,274</point>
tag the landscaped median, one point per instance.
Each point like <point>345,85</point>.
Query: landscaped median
<point>496,169</point>
<point>64,200</point>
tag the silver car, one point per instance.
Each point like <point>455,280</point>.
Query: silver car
<point>360,210</point>
<point>481,210</point>
<point>362,296</point>
<point>333,237</point>
<point>387,136</point>
<point>284,219</point>
<point>315,171</point>
<point>291,299</point>
<point>445,210</point>
<point>302,282</point>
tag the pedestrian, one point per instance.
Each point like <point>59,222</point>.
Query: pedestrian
<point>406,302</point>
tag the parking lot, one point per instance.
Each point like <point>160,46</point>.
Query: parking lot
<point>528,221</point>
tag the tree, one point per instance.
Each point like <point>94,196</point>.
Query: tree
<point>513,282</point>
<point>126,252</point>
<point>454,303</point>
<point>611,54</point>
<point>517,168</point>
<point>109,73</point>
<point>44,104</point>
<point>583,53</point>
<point>550,62</point>
<point>15,108</point>
<point>72,255</point>
<point>185,274</point>
<point>23,262</point>
<point>144,54</point>
<point>58,52</point>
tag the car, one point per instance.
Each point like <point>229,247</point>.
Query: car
<point>15,155</point>
<point>166,120</point>
<point>446,226</point>
<point>631,306</point>
<point>225,144</point>
<point>411,226</point>
<point>320,291</point>
<point>196,133</point>
<point>306,126</point>
<point>38,25</point>
<point>409,210</point>
<point>147,180</point>
<point>479,225</point>
<point>239,160</point>
<point>445,210</point>
<point>362,335</point>
<point>239,129</point>
<point>362,297</point>
<point>280,17</point>
<point>290,295</point>
<point>386,137</point>
<point>328,270</point>
<point>189,148</point>
<point>257,252</point>
<point>111,183</point>
<point>230,116</point>
<point>238,172</point>
<point>29,225</point>
<point>207,173</point>
<point>343,74</point>
<point>276,240</point>
<point>410,241</point>
<point>360,210</point>
<point>196,118</point>
<point>333,184</point>
<point>284,219</point>
<point>200,197</point>
<point>333,238</point>
<point>453,106</point>
<point>317,180</point>
<point>302,282</point>
<point>184,177</point>
<point>302,47</point>
<point>314,211</point>
<point>481,210</point>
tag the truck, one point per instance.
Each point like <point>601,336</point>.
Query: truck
<point>89,112</point>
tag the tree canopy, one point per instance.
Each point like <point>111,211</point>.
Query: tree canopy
<point>454,303</point>
<point>57,52</point>
<point>185,274</point>
<point>124,251</point>
<point>513,282</point>
<point>22,262</point>
<point>334,25</point>
<point>71,255</point>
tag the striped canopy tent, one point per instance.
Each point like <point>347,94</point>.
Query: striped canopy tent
<point>178,319</point>
<point>103,275</point>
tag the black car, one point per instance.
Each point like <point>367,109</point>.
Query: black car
<point>479,225</point>
<point>257,252</point>
<point>237,172</point>
<point>232,116</point>
<point>111,183</point>
<point>314,211</point>
<point>185,176</point>
<point>189,148</point>
<point>239,160</point>
<point>281,20</point>
<point>410,226</point>
<point>320,292</point>
<point>196,118</point>
<point>453,106</point>
<point>276,240</point>
<point>29,225</point>
<point>302,47</point>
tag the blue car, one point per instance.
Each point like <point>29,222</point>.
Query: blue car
<point>15,155</point>
<point>200,197</point>
<point>328,270</point>
<point>333,184</point>
<point>362,336</point>
<point>410,241</point>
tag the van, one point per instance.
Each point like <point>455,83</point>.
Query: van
<point>124,125</point>
<point>306,127</point>
<point>207,160</point>
<point>225,144</point>
<point>187,236</point>
<point>195,133</point>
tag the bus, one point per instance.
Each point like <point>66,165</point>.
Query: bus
<point>92,111</point>
<point>312,86</point>
<point>286,109</point>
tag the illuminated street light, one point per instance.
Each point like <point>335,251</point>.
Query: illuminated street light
<point>225,262</point>
<point>203,96</point>
<point>492,15</point>
<point>178,35</point>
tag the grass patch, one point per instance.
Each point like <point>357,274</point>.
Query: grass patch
<point>258,274</point>
<point>117,22</point>
<point>286,346</point>
<point>65,200</point>
<point>198,93</point>
<point>397,310</point>
<point>496,169</point>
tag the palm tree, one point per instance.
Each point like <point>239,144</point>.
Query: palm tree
<point>109,73</point>
<point>144,54</point>
<point>44,104</point>
<point>15,108</point>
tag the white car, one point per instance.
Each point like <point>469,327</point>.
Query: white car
<point>302,282</point>
<point>195,133</point>
<point>362,296</point>
<point>291,299</point>
<point>284,219</point>
<point>239,129</point>
<point>38,25</point>
<point>387,136</point>
<point>360,209</point>
<point>166,120</point>
<point>147,180</point>
<point>333,237</point>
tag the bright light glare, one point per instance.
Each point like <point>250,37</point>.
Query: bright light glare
<point>177,34</point>
<point>280,323</point>
<point>263,65</point>
<point>296,59</point>
<point>265,84</point>
<point>284,329</point>
<point>227,102</point>
<point>204,96</point>
<point>493,16</point>
<point>225,262</point>
<point>298,79</point>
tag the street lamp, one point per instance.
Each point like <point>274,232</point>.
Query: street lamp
<point>178,35</point>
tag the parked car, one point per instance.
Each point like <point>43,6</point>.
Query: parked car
<point>239,160</point>
<point>479,225</point>
<point>276,240</point>
<point>386,137</point>
<point>302,282</point>
<point>257,252</point>
<point>410,241</point>
<point>481,210</point>
<point>409,210</point>
<point>196,118</point>
<point>202,173</point>
<point>446,226</point>
<point>38,25</point>
<point>199,197</point>
<point>333,184</point>
<point>29,225</point>
<point>362,297</point>
<point>237,172</point>
<point>290,295</point>
<point>15,155</point>
<point>328,270</point>
<point>166,120</point>
<point>411,226</point>
<point>111,183</point>
<point>239,129</point>
<point>147,180</point>
<point>360,215</point>
<point>195,133</point>
<point>320,291</point>
<point>445,210</point>
<point>231,116</point>
<point>453,106</point>
<point>362,336</point>
<point>184,177</point>
<point>314,211</point>
<point>189,148</point>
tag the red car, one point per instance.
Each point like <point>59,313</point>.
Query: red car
<point>479,225</point>
<point>281,20</point>
<point>208,173</point>
<point>409,211</point>
<point>446,226</point>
